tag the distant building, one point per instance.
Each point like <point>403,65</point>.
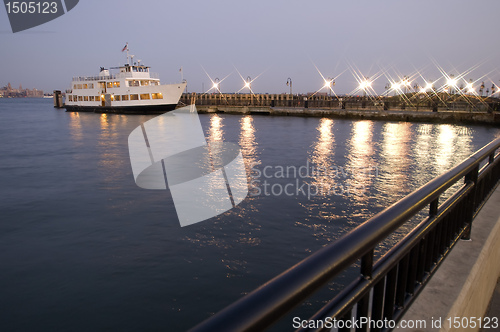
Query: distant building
<point>8,91</point>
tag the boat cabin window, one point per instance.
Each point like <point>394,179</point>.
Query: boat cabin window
<point>144,95</point>
<point>109,84</point>
<point>134,97</point>
<point>116,84</point>
<point>124,97</point>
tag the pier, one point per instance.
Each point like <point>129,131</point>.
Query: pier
<point>440,108</point>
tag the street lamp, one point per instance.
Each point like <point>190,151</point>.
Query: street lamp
<point>216,87</point>
<point>329,83</point>
<point>365,84</point>
<point>406,83</point>
<point>289,83</point>
<point>216,84</point>
<point>429,86</point>
<point>452,83</point>
<point>248,84</point>
<point>396,87</point>
<point>470,87</point>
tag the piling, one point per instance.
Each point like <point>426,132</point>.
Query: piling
<point>58,99</point>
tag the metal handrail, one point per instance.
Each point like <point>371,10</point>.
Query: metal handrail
<point>391,276</point>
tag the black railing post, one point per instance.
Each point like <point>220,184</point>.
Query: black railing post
<point>390,292</point>
<point>471,201</point>
<point>402,282</point>
<point>433,207</point>
<point>378,302</point>
<point>413,270</point>
<point>367,265</point>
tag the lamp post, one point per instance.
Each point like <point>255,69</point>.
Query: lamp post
<point>406,83</point>
<point>365,84</point>
<point>451,82</point>
<point>470,87</point>
<point>248,84</point>
<point>216,87</point>
<point>216,84</point>
<point>289,83</point>
<point>329,83</point>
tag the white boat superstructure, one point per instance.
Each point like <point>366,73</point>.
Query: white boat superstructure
<point>132,89</point>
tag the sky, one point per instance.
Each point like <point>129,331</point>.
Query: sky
<point>268,41</point>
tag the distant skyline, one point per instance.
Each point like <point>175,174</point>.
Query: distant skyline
<point>268,41</point>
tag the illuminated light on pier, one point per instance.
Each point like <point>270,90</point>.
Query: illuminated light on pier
<point>365,84</point>
<point>216,84</point>
<point>470,87</point>
<point>247,83</point>
<point>396,86</point>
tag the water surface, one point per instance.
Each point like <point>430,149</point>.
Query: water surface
<point>83,248</point>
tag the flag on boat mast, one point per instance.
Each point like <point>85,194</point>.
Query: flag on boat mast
<point>125,48</point>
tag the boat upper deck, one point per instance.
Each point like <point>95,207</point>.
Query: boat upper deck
<point>126,72</point>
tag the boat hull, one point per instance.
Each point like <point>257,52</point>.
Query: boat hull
<point>139,109</point>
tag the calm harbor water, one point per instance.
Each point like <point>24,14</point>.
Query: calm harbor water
<point>82,248</point>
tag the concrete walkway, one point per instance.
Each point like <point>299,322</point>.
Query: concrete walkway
<point>465,282</point>
<point>494,307</point>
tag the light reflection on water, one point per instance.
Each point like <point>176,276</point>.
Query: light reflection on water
<point>395,162</point>
<point>360,161</point>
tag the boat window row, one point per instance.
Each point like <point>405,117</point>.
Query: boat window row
<point>142,96</point>
<point>137,69</point>
<point>109,85</point>
<point>83,86</point>
<point>142,83</point>
<point>115,84</point>
<point>84,98</point>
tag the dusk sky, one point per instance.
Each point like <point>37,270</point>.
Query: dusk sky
<point>268,41</point>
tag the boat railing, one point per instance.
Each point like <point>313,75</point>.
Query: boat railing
<point>145,75</point>
<point>385,286</point>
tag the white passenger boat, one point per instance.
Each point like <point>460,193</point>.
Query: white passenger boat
<point>132,89</point>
